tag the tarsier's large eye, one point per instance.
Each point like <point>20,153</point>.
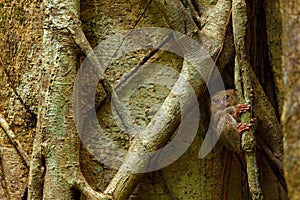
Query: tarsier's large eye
<point>215,100</point>
<point>226,97</point>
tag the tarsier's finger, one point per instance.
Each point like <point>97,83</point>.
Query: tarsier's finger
<point>243,105</point>
<point>247,126</point>
<point>244,126</point>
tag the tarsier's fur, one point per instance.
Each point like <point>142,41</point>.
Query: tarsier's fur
<point>223,110</point>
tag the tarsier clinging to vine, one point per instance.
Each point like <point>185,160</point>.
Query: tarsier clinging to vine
<point>226,112</point>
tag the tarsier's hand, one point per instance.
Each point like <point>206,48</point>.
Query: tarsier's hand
<point>241,108</point>
<point>243,127</point>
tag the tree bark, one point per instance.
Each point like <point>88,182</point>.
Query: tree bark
<point>37,79</point>
<point>291,109</point>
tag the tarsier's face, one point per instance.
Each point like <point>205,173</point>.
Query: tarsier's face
<point>223,99</point>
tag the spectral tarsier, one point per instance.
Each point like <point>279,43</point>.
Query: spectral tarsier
<point>226,112</point>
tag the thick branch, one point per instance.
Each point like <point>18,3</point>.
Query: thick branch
<point>124,181</point>
<point>211,34</point>
<point>168,117</point>
<point>178,18</point>
<point>82,185</point>
<point>56,140</point>
<point>149,140</point>
<point>265,114</point>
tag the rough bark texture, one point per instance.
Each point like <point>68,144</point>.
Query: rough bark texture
<point>58,141</point>
<point>291,110</point>
<point>243,84</point>
<point>20,38</point>
<point>39,60</point>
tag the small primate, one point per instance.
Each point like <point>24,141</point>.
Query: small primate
<point>226,112</point>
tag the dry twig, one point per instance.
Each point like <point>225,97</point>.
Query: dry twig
<point>12,137</point>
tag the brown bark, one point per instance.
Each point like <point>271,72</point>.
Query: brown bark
<point>291,112</point>
<point>60,169</point>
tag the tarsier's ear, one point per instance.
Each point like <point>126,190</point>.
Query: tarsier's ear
<point>232,91</point>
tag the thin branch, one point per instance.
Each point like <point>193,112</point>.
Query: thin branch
<point>2,176</point>
<point>80,39</point>
<point>27,108</point>
<point>142,14</point>
<point>145,59</point>
<point>243,70</point>
<point>79,182</point>
<point>194,14</point>
<point>12,137</point>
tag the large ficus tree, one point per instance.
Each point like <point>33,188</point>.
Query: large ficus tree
<point>43,46</point>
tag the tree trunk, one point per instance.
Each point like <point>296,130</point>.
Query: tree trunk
<point>43,45</point>
<point>291,114</point>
